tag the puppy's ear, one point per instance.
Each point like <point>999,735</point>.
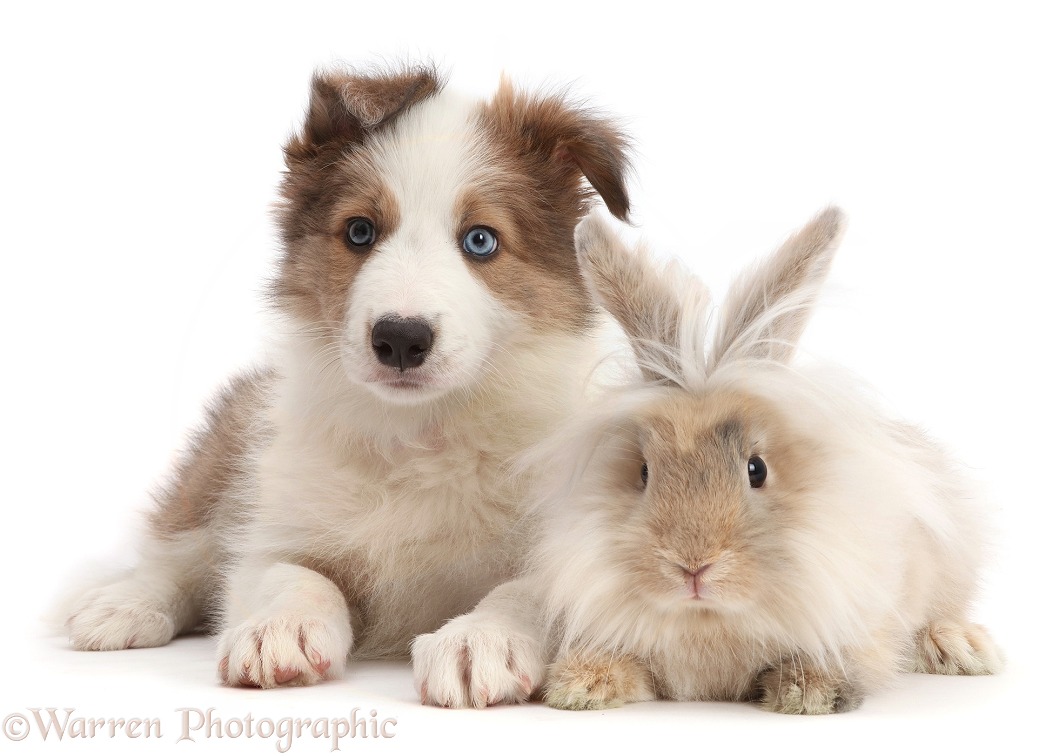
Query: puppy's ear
<point>347,105</point>
<point>568,138</point>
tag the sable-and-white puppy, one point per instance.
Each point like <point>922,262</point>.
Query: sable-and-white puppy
<point>355,494</point>
<point>732,525</point>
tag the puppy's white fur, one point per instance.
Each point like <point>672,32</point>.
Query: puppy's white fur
<point>433,154</point>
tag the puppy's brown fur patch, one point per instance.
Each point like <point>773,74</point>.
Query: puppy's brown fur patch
<point>318,267</point>
<point>543,149</point>
<point>218,456</point>
<point>330,179</point>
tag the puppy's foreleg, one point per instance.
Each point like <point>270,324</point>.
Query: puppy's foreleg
<point>495,654</point>
<point>284,625</point>
<point>160,599</point>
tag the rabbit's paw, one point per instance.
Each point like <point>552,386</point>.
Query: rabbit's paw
<point>797,687</point>
<point>952,648</point>
<point>581,681</point>
<point>469,663</point>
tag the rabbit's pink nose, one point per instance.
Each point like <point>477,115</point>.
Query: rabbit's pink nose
<point>694,581</point>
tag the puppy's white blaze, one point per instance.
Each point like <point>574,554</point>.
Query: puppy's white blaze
<point>419,271</point>
<point>434,147</point>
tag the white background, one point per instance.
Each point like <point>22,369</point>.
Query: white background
<point>141,157</point>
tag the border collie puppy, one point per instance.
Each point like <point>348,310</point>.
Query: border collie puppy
<point>357,493</point>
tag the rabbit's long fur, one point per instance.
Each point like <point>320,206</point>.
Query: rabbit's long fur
<point>671,566</point>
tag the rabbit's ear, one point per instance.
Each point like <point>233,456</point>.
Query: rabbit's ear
<point>661,309</point>
<point>768,306</point>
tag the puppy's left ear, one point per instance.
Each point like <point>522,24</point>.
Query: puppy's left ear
<point>347,105</point>
<point>571,139</point>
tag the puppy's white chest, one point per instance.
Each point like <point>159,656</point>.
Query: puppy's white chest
<point>423,495</point>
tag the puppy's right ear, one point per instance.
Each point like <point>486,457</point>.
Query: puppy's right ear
<point>569,140</point>
<point>345,106</point>
<point>662,309</point>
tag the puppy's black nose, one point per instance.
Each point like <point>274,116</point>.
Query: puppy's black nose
<point>401,342</point>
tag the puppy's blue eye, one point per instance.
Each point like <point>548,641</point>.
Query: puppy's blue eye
<point>480,241</point>
<point>360,233</point>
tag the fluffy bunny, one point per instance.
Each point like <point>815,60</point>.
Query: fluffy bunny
<point>730,527</point>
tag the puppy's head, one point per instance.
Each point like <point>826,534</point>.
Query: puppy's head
<point>427,233</point>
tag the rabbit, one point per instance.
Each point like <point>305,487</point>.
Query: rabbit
<point>729,526</point>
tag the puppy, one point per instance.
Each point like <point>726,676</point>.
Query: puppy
<point>356,493</point>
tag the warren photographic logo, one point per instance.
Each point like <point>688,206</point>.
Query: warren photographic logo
<point>193,725</point>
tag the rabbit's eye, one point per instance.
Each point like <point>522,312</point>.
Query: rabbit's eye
<point>645,473</point>
<point>756,471</point>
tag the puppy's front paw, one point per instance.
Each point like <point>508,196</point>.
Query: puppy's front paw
<point>282,650</point>
<point>582,681</point>
<point>468,663</point>
<point>117,617</point>
<point>796,687</point>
